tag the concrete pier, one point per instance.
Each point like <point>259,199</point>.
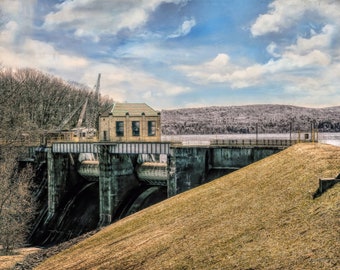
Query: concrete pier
<point>187,168</point>
<point>57,167</point>
<point>116,178</point>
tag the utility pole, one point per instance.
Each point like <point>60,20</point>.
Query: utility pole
<point>311,132</point>
<point>257,133</point>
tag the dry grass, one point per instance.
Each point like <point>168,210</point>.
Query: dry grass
<point>8,262</point>
<point>260,217</point>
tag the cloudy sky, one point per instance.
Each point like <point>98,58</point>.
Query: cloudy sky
<point>182,53</point>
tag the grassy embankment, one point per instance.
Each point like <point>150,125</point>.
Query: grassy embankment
<point>260,217</point>
<point>9,261</point>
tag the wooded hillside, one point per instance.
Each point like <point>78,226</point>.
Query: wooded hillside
<point>243,119</point>
<point>32,101</point>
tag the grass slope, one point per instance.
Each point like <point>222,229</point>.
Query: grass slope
<point>8,262</point>
<point>260,217</point>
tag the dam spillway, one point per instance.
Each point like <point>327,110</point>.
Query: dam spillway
<point>185,167</point>
<point>127,177</point>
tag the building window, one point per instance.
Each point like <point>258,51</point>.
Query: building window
<point>151,128</point>
<point>135,128</point>
<point>119,128</point>
<point>105,135</point>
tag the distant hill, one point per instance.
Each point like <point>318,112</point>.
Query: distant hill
<point>260,217</point>
<point>244,119</point>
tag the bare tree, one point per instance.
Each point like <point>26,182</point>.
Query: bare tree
<point>16,203</point>
<point>31,102</point>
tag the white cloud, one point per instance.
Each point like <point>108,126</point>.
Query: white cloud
<point>132,85</point>
<point>17,15</point>
<point>41,56</point>
<point>248,76</point>
<point>22,51</point>
<point>18,49</point>
<point>9,32</point>
<point>220,70</point>
<point>119,81</point>
<point>296,62</point>
<point>10,7</point>
<point>215,70</point>
<point>184,29</point>
<point>272,48</point>
<point>284,13</point>
<point>94,18</point>
<point>220,61</point>
<point>320,41</point>
<point>310,64</point>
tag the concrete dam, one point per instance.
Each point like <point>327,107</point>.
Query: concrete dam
<point>83,186</point>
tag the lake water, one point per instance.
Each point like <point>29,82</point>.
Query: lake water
<point>329,138</point>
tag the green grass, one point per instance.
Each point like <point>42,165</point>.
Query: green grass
<point>260,217</point>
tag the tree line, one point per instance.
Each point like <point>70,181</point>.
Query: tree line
<point>32,102</point>
<point>249,119</point>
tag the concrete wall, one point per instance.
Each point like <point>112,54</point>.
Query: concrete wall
<point>108,125</point>
<point>238,157</point>
<point>190,166</point>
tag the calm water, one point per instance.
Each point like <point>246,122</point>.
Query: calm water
<point>329,138</point>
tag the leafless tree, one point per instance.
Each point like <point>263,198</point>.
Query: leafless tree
<point>16,203</point>
<point>31,102</point>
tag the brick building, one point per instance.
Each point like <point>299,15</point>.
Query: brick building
<point>130,122</point>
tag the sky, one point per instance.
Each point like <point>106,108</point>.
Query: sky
<point>182,53</point>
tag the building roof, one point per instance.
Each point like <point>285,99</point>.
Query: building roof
<point>133,109</point>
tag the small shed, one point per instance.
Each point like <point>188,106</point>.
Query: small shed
<point>130,122</point>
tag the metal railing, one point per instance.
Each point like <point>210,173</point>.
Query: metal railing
<point>254,142</point>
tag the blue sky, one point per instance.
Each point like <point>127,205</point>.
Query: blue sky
<point>182,53</point>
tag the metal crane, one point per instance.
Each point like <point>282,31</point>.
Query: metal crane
<point>79,132</point>
<point>93,110</point>
<point>98,87</point>
<point>69,117</point>
<point>82,114</point>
